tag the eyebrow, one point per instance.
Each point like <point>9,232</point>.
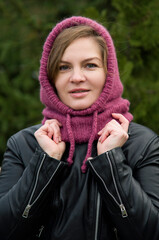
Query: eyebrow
<point>85,60</point>
<point>93,58</point>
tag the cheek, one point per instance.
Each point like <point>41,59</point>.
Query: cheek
<point>99,84</point>
<point>58,86</point>
<point>61,82</point>
<point>103,80</point>
<point>61,91</point>
<point>58,90</point>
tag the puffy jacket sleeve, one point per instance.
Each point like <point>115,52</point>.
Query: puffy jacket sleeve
<point>130,195</point>
<point>24,190</point>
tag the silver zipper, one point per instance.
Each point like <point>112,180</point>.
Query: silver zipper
<point>120,205</point>
<point>97,216</point>
<point>123,211</point>
<point>29,205</point>
<point>116,234</point>
<point>26,211</point>
<point>40,231</point>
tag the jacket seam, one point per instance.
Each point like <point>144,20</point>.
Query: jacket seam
<point>12,139</point>
<point>147,145</point>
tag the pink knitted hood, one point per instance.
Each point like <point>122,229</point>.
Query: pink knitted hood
<point>83,126</point>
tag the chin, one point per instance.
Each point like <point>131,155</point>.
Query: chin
<point>80,107</point>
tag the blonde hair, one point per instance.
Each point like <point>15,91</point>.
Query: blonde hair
<point>64,39</point>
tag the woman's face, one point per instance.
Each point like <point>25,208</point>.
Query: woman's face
<point>81,75</point>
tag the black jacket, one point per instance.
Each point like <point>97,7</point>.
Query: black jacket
<point>117,198</point>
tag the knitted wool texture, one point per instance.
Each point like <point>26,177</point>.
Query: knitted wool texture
<point>83,126</point>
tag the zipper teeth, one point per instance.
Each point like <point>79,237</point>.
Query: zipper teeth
<point>28,207</point>
<point>37,176</point>
<point>104,185</point>
<point>97,216</point>
<point>121,205</point>
<point>111,168</point>
<point>46,184</point>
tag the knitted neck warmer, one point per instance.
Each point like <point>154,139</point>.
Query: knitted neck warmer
<point>83,126</point>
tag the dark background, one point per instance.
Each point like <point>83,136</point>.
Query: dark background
<point>24,26</point>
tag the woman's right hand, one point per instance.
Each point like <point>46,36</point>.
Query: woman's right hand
<point>49,139</point>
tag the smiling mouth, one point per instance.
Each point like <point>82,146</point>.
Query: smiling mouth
<point>79,91</point>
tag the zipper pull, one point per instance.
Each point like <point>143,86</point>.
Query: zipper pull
<point>40,231</point>
<point>116,234</point>
<point>26,211</point>
<point>123,211</point>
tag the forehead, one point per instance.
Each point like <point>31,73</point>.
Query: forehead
<point>87,46</point>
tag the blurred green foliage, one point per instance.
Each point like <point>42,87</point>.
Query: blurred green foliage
<point>25,25</point>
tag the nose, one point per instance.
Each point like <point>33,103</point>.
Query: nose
<point>77,76</point>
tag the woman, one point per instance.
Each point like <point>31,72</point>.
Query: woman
<point>88,172</point>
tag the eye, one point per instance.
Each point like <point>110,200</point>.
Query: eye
<point>91,65</point>
<point>64,67</point>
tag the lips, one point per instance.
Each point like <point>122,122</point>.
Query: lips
<point>81,90</point>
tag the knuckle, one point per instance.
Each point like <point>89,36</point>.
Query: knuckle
<point>113,121</point>
<point>54,126</point>
<point>50,121</point>
<point>126,136</point>
<point>35,134</point>
<point>47,121</point>
<point>127,124</point>
<point>126,121</point>
<point>46,124</point>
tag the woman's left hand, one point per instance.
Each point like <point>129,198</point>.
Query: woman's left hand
<point>114,134</point>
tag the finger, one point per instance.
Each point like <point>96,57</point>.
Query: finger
<point>122,120</point>
<point>43,130</point>
<point>50,132</point>
<point>112,123</point>
<point>104,135</point>
<point>50,121</point>
<point>56,132</point>
<point>101,131</point>
<point>55,125</point>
